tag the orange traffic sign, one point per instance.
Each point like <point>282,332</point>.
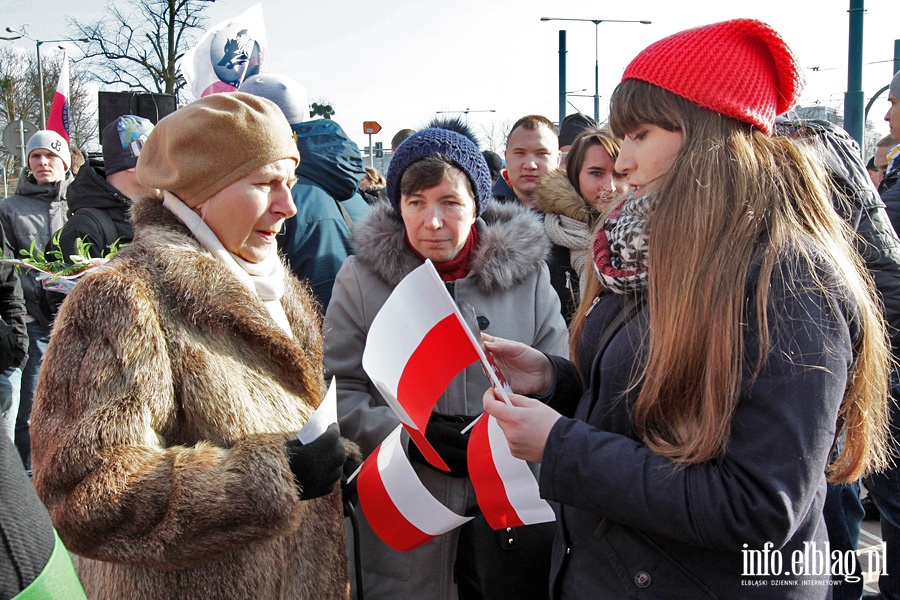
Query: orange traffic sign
<point>371,127</point>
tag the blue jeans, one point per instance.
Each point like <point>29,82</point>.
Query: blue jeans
<point>885,491</point>
<point>843,513</point>
<point>37,343</point>
<point>10,386</point>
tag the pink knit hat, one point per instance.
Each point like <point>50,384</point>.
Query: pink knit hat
<point>741,69</point>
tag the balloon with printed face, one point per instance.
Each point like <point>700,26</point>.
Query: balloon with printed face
<point>234,54</point>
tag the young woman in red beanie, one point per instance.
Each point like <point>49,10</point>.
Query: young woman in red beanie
<point>735,340</point>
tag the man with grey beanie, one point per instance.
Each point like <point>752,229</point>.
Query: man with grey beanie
<point>30,216</point>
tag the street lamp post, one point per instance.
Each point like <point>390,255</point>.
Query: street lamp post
<point>596,23</point>
<point>463,112</point>
<point>40,68</point>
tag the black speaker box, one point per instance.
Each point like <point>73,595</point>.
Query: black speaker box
<point>152,107</point>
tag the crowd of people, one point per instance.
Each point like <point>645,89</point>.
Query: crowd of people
<point>696,307</point>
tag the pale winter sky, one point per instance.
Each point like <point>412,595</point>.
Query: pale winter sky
<point>398,62</point>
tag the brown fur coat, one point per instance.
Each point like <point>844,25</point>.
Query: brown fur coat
<point>165,398</point>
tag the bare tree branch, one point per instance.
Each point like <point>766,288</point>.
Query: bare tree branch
<point>20,98</point>
<point>138,43</point>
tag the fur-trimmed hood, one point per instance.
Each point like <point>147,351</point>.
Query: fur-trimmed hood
<point>556,195</point>
<point>511,245</point>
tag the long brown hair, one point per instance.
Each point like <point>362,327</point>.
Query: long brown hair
<point>578,152</point>
<point>737,200</point>
<point>589,282</point>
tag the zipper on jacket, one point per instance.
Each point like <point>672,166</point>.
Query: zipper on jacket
<point>571,287</point>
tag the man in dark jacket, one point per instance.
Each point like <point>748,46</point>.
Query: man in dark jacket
<point>884,488</point>
<point>890,185</point>
<point>99,198</point>
<point>29,218</point>
<point>316,240</point>
<point>13,341</point>
<point>879,246</point>
<point>532,151</point>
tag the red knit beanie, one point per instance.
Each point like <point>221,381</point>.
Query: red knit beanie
<point>741,69</point>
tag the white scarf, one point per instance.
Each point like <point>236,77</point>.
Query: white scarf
<point>265,278</point>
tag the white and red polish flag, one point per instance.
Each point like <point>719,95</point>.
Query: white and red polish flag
<point>506,489</point>
<point>58,120</point>
<point>417,344</point>
<point>400,510</point>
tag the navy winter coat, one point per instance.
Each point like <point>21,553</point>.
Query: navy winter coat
<point>634,525</point>
<point>317,239</point>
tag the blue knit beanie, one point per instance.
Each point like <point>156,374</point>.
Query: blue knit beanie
<point>458,148</point>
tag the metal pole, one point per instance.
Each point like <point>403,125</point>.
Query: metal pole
<point>371,153</point>
<point>854,98</point>
<point>21,125</point>
<point>596,73</point>
<point>885,88</point>
<point>562,76</point>
<point>37,46</point>
<point>896,57</point>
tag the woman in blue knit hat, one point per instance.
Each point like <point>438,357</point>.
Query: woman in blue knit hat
<point>491,257</point>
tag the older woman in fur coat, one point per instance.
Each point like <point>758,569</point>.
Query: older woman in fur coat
<point>177,376</point>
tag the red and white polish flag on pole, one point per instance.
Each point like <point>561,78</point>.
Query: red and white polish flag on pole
<point>400,510</point>
<point>506,489</point>
<point>416,345</point>
<point>227,54</point>
<point>58,120</point>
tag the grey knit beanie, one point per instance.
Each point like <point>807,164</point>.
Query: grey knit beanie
<point>435,140</point>
<point>287,93</point>
<point>52,142</point>
<point>895,85</point>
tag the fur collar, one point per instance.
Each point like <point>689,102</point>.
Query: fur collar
<point>205,292</point>
<point>511,245</point>
<point>556,195</point>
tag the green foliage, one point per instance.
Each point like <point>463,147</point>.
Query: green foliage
<point>54,261</point>
<point>322,110</point>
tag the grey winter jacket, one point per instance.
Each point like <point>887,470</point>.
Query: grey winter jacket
<point>33,213</point>
<point>509,287</point>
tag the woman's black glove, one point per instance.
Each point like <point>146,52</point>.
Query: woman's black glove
<point>318,465</point>
<point>443,431</point>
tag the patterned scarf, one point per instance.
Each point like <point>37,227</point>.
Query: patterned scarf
<point>620,247</point>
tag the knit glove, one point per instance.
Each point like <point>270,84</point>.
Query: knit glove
<point>443,432</point>
<point>318,465</point>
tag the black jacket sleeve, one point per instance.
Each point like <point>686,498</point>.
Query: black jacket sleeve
<point>13,335</point>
